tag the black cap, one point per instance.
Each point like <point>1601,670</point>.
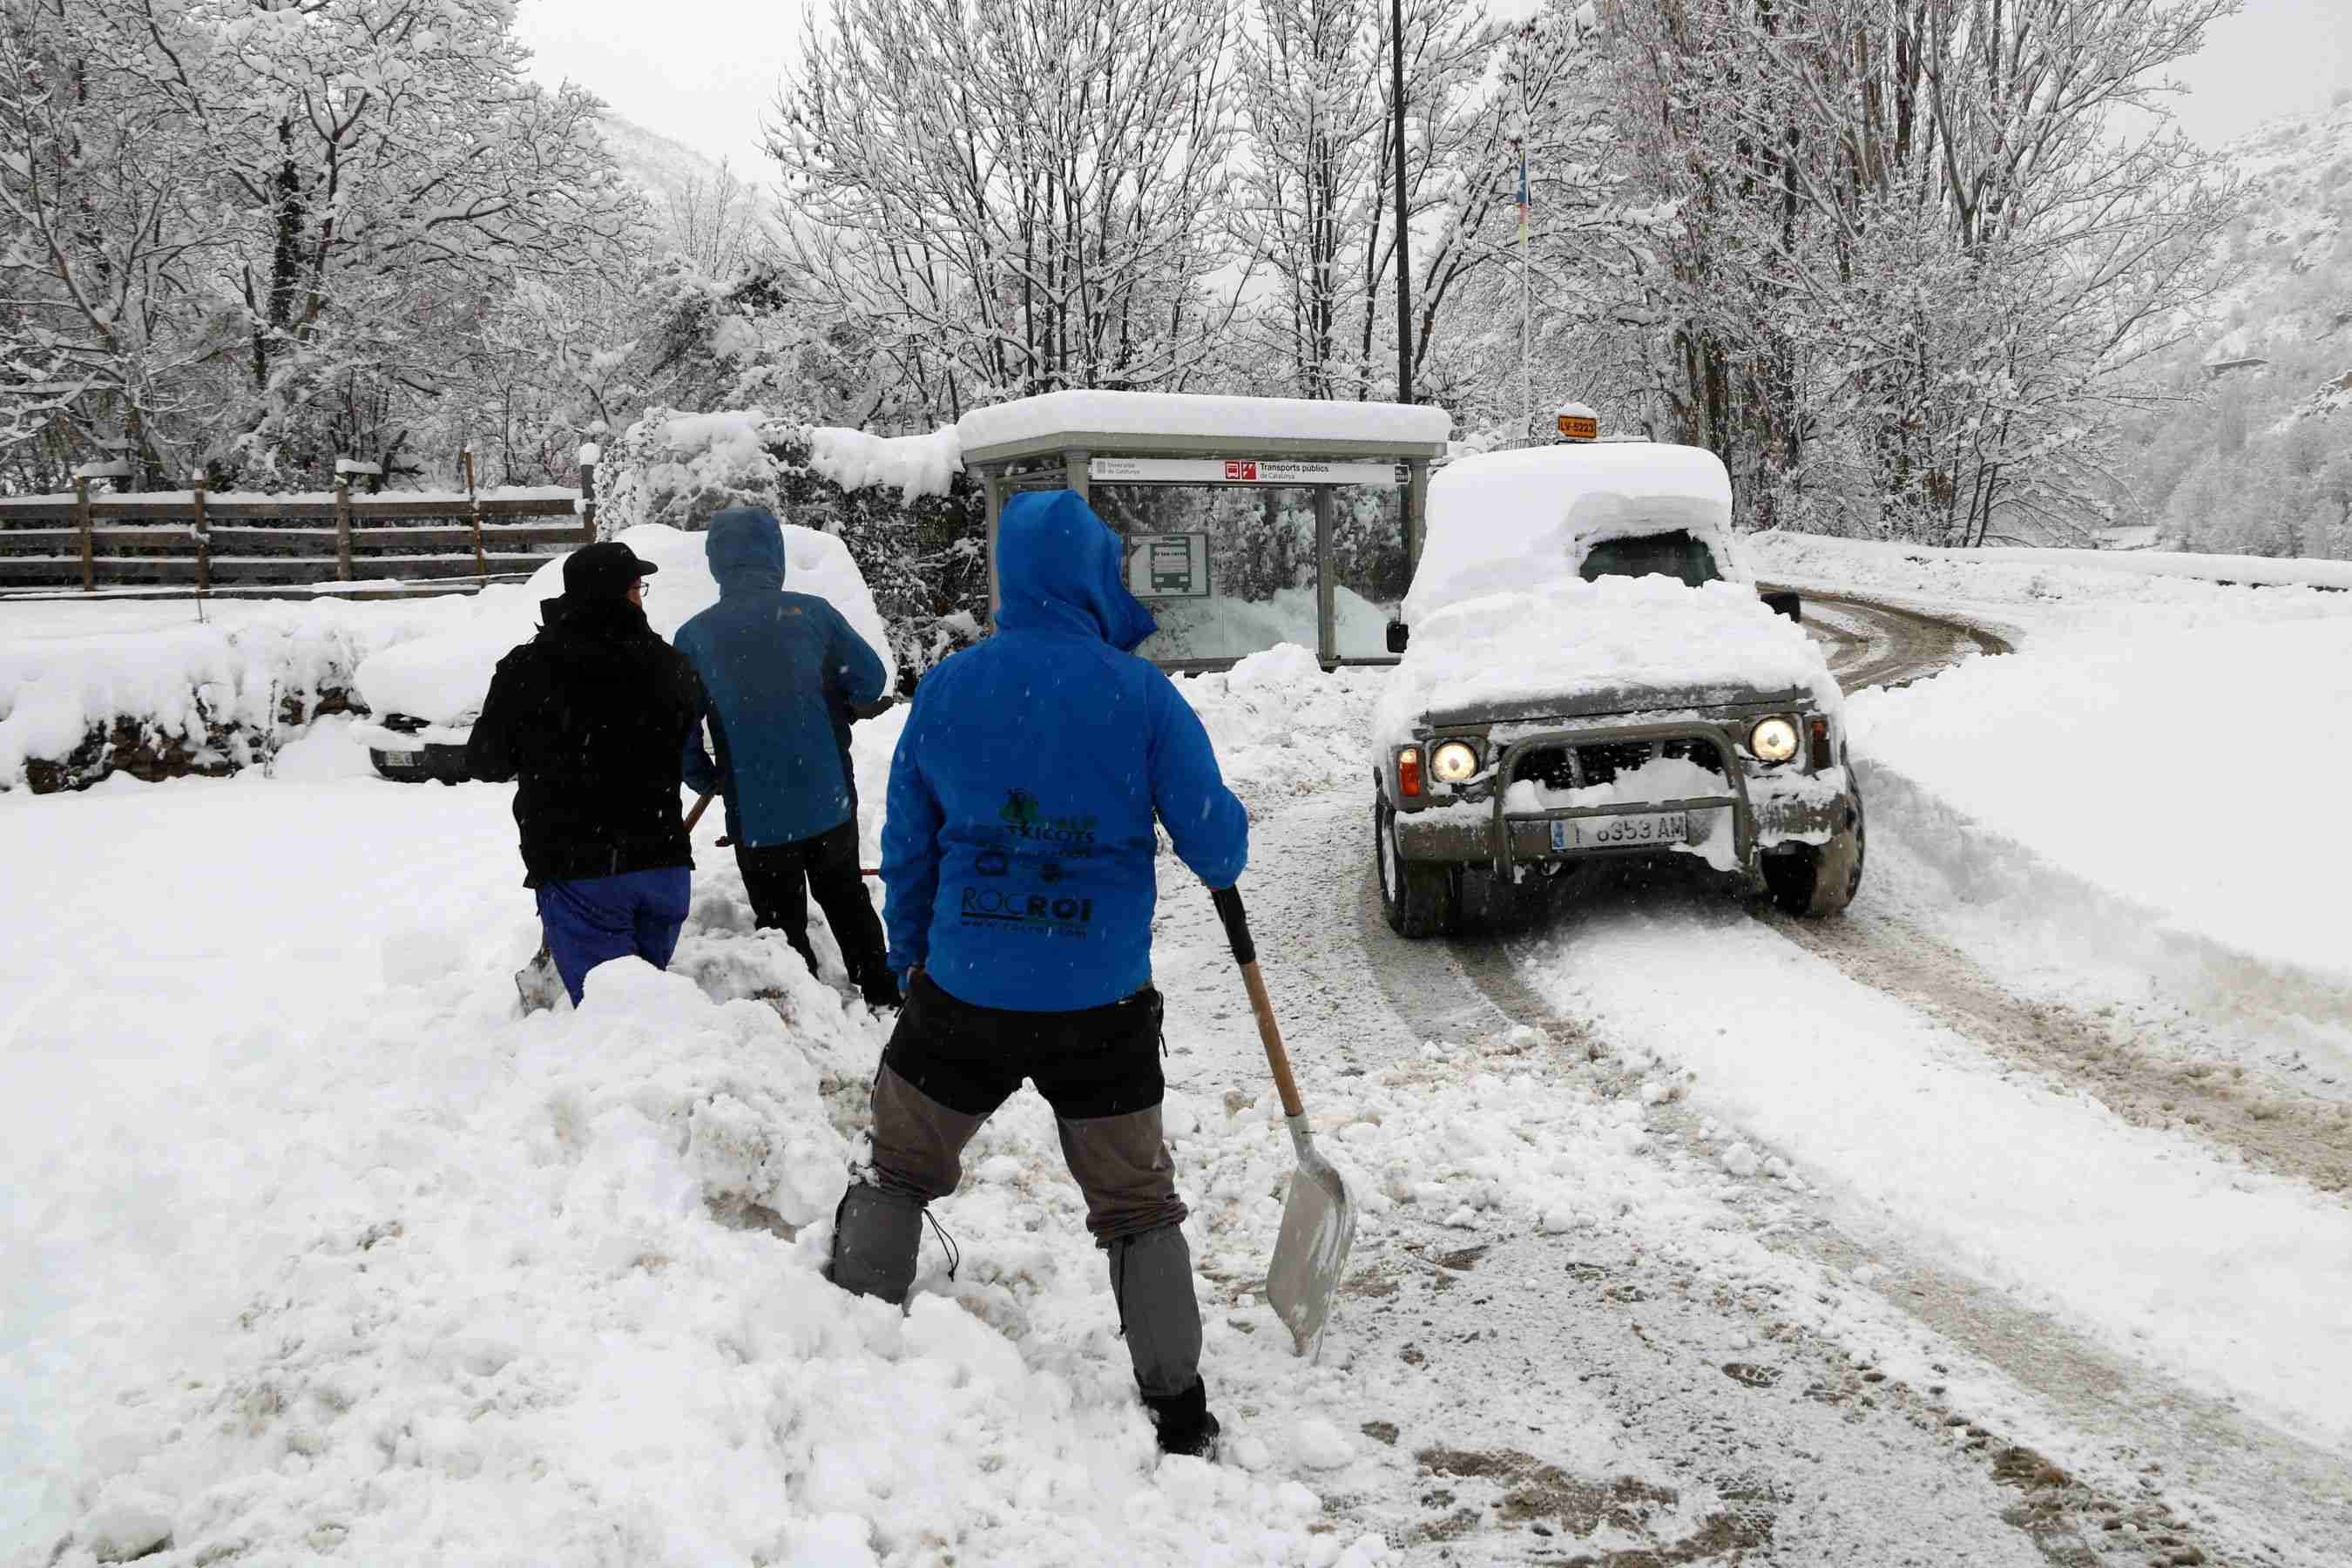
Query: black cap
<point>603,570</point>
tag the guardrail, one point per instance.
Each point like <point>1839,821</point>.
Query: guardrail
<point>197,538</point>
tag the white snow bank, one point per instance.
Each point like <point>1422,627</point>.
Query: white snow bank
<point>444,678</point>
<point>1574,640</point>
<point>1405,426</point>
<point>351,1260</point>
<point>68,671</point>
<point>2231,1280</point>
<point>2042,591</point>
<point>1512,519</point>
<point>2190,773</point>
<point>2254,570</point>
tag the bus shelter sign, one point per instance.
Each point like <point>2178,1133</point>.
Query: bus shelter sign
<point>1168,566</point>
<point>1242,471</point>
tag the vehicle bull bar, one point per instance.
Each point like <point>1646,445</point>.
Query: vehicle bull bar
<point>1743,814</point>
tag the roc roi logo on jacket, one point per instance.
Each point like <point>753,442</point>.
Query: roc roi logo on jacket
<point>1038,913</point>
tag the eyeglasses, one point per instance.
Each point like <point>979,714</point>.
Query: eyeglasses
<point>638,589</point>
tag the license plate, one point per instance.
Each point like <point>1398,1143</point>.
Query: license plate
<point>1631,831</point>
<point>402,759</point>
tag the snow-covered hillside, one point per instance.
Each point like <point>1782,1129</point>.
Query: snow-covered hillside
<point>660,166</point>
<point>2260,461</point>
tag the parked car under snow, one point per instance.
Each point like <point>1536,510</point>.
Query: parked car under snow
<point>424,695</point>
<point>1589,672</point>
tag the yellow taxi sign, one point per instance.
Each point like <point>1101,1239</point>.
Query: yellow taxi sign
<point>1578,428</point>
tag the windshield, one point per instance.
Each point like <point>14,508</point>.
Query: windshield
<point>1676,555</point>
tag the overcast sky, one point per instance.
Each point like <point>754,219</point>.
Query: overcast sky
<point>704,72</point>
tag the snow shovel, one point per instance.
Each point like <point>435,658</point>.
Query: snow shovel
<point>1319,1217</point>
<point>537,982</point>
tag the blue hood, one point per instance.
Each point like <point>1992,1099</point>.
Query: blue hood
<point>1058,569</point>
<point>746,551</point>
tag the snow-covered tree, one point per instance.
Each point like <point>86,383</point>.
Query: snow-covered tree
<point>263,233</point>
<point>1916,257</point>
<point>1014,197</point>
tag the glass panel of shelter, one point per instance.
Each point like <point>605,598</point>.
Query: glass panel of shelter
<point>1370,568</point>
<point>1228,571</point>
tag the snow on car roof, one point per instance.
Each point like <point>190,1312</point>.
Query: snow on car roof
<point>1561,641</point>
<point>1504,520</point>
<point>442,678</point>
<point>1408,428</point>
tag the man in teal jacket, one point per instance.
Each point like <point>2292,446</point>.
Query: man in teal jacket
<point>1019,854</point>
<point>780,667</point>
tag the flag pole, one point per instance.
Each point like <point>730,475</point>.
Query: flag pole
<point>1404,235</point>
<point>1527,290</point>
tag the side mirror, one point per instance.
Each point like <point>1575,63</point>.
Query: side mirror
<point>1399,635</point>
<point>1783,602</point>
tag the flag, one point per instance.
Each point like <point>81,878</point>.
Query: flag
<point>1523,193</point>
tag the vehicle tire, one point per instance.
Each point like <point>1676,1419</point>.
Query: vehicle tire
<point>1818,881</point>
<point>1418,899</point>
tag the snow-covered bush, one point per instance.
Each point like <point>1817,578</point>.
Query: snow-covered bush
<point>911,520</point>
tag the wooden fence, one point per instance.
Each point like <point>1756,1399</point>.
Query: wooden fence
<point>196,540</point>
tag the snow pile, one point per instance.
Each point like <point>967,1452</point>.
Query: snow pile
<point>682,470</point>
<point>1405,427</point>
<point>1508,519</point>
<point>2182,772</point>
<point>1866,562</point>
<point>444,678</point>
<point>1280,725</point>
<point>367,1265</point>
<point>1549,648</point>
<point>912,464</point>
<point>2036,592</point>
<point>86,689</point>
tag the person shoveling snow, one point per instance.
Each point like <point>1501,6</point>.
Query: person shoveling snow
<point>784,670</point>
<point>1017,857</point>
<point>591,716</point>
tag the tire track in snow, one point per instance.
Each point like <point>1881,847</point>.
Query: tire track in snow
<point>2275,1127</point>
<point>2142,1421</point>
<point>1596,1395</point>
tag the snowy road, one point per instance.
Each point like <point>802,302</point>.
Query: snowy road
<point>1740,1369</point>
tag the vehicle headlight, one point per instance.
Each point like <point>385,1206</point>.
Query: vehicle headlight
<point>1454,762</point>
<point>1773,740</point>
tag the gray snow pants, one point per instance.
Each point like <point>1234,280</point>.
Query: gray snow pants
<point>948,1067</point>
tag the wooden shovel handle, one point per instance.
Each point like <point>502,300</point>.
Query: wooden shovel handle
<point>1229,908</point>
<point>700,808</point>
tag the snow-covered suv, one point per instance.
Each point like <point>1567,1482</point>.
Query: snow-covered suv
<point>1590,671</point>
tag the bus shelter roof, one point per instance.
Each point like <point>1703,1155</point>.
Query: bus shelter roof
<point>1175,423</point>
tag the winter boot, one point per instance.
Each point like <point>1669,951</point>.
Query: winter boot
<point>875,1237</point>
<point>1185,1425</point>
<point>1152,1276</point>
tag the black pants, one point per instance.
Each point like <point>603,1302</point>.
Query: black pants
<point>781,876</point>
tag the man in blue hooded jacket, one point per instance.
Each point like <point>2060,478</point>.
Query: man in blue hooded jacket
<point>783,671</point>
<point>1018,856</point>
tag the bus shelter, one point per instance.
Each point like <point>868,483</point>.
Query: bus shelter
<point>1247,521</point>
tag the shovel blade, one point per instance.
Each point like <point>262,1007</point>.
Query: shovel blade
<point>1310,1256</point>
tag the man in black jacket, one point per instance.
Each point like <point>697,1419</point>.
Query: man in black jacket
<point>591,716</point>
